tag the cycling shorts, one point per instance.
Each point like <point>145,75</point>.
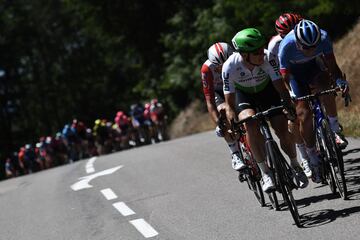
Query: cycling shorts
<point>262,101</point>
<point>303,75</point>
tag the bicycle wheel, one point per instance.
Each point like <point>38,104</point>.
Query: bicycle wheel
<point>251,175</point>
<point>336,160</point>
<point>283,180</point>
<point>255,187</point>
<point>327,175</point>
<point>272,196</point>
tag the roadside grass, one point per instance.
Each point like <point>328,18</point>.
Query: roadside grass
<point>350,120</point>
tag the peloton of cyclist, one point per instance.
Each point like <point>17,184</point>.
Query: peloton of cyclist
<point>308,64</point>
<point>283,25</point>
<point>213,90</point>
<point>252,81</point>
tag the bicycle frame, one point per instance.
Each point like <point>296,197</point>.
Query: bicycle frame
<point>331,160</point>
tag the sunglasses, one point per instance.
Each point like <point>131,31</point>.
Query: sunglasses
<point>306,47</point>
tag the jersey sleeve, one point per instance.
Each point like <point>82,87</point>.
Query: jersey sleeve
<point>227,77</point>
<point>271,66</point>
<point>326,43</point>
<point>207,81</point>
<point>284,53</point>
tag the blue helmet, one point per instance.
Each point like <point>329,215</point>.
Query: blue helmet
<point>307,33</point>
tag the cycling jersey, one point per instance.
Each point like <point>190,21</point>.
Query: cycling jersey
<point>303,69</point>
<point>273,46</point>
<point>237,76</point>
<point>293,60</point>
<point>211,79</point>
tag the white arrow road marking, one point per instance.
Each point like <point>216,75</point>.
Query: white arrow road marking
<point>123,209</point>
<point>90,165</point>
<point>108,194</point>
<point>84,181</point>
<point>144,228</point>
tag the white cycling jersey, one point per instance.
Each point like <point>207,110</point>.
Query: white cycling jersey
<point>273,46</point>
<point>236,75</point>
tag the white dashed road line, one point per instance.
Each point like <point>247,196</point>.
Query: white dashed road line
<point>123,209</point>
<point>108,194</point>
<point>144,228</point>
<point>90,165</point>
<point>140,224</point>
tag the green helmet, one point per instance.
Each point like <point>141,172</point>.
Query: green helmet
<point>248,40</point>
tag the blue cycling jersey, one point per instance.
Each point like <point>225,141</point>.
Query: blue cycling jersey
<point>292,58</point>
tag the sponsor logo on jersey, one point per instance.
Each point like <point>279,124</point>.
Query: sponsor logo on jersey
<point>225,77</point>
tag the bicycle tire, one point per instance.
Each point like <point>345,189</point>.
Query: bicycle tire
<point>272,196</point>
<point>252,176</point>
<point>255,187</point>
<point>336,160</point>
<point>326,172</point>
<point>274,201</point>
<point>283,181</point>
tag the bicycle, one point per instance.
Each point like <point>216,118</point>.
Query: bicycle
<point>251,174</point>
<point>283,173</point>
<point>332,163</point>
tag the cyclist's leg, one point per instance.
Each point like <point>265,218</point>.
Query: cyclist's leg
<point>245,107</point>
<point>300,88</point>
<point>236,159</point>
<point>323,82</point>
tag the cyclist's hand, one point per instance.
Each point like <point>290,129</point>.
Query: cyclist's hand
<point>230,115</point>
<point>221,123</point>
<point>344,86</point>
<point>289,110</point>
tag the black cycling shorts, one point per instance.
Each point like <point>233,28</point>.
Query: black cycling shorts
<point>261,101</point>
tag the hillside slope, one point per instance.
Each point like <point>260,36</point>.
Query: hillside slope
<point>347,51</point>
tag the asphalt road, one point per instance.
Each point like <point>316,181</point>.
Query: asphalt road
<point>181,189</point>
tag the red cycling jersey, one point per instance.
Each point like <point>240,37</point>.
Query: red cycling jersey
<point>211,79</point>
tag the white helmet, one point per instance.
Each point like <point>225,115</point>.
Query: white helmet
<point>219,52</point>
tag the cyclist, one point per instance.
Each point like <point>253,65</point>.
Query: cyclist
<point>158,116</point>
<point>214,96</point>
<point>306,54</point>
<point>283,25</point>
<point>122,125</point>
<point>252,81</point>
<point>138,122</point>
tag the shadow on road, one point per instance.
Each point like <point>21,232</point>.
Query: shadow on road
<point>355,150</point>
<point>352,173</point>
<point>325,216</point>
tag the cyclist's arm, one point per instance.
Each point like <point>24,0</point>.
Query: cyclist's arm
<point>333,66</point>
<point>229,92</point>
<point>230,106</point>
<point>208,89</point>
<point>282,89</point>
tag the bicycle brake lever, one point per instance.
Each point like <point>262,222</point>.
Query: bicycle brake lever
<point>347,100</point>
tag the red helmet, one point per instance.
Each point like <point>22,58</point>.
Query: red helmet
<point>286,22</point>
<point>119,113</point>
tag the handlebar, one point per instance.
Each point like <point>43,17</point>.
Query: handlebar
<point>258,116</point>
<point>347,98</point>
<point>318,94</point>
